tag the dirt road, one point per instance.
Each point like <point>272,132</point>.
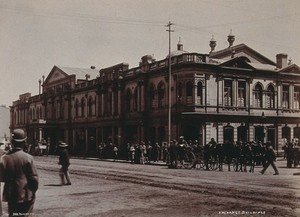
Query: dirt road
<point>112,189</point>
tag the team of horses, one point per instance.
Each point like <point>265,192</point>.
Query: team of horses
<point>240,156</point>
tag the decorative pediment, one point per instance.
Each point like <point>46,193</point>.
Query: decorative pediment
<point>55,75</point>
<point>241,50</point>
<point>293,69</point>
<point>237,62</point>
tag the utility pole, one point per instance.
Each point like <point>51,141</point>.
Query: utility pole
<point>169,25</point>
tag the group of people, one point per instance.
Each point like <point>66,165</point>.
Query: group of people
<point>19,174</point>
<point>141,153</point>
<point>137,153</point>
<point>292,153</point>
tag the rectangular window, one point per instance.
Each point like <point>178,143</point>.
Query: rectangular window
<point>297,97</point>
<point>285,97</point>
<point>241,101</point>
<point>190,58</point>
<point>227,93</point>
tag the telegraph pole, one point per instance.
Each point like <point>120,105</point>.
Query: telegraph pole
<point>169,25</point>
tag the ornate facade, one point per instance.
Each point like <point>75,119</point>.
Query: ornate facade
<point>231,94</point>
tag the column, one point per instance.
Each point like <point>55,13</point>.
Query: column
<point>220,136</point>
<point>119,101</point>
<point>112,102</point>
<point>142,98</point>
<point>291,96</point>
<point>234,92</point>
<point>251,132</point>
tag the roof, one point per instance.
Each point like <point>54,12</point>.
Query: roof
<point>176,53</point>
<point>227,52</point>
<point>261,66</point>
<point>80,73</point>
<point>243,62</point>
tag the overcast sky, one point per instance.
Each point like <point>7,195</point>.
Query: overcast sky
<point>35,35</point>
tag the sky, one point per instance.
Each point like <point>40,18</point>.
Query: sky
<point>35,35</point>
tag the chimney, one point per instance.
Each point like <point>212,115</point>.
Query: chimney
<point>281,60</point>
<point>147,59</point>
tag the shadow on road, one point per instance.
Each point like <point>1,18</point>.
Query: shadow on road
<point>53,185</point>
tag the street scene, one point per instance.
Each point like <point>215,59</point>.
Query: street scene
<point>120,189</point>
<point>131,108</point>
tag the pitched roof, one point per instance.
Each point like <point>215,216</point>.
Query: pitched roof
<point>80,73</point>
<point>241,48</point>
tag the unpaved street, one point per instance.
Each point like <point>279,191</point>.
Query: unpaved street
<point>114,189</point>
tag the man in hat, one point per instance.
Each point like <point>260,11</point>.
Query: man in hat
<point>18,172</point>
<point>64,161</point>
<point>271,158</point>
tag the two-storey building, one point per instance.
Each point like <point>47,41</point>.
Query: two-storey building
<point>232,94</point>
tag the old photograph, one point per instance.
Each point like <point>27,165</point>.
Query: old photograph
<point>161,108</point>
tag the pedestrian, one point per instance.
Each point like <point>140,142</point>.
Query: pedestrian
<point>19,174</point>
<point>143,149</point>
<point>270,158</point>
<point>64,161</point>
<point>115,153</point>
<point>290,155</point>
<point>132,153</point>
<point>173,154</point>
<point>2,152</point>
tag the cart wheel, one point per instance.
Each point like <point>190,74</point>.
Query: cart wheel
<point>213,165</point>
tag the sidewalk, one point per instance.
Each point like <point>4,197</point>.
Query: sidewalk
<point>280,163</point>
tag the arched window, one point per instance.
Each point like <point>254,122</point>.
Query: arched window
<point>257,96</point>
<point>90,106</point>
<point>135,101</point>
<point>76,108</point>
<point>161,94</point>
<point>270,97</point>
<point>189,92</point>
<point>116,102</point>
<point>16,117</point>
<point>33,113</point>
<point>128,100</point>
<point>199,93</point>
<point>152,96</point>
<point>82,106</point>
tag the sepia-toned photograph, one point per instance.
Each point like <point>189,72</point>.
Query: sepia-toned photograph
<point>160,108</point>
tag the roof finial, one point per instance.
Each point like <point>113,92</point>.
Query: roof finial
<point>179,45</point>
<point>230,38</point>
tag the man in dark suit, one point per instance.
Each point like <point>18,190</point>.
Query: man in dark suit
<point>18,172</point>
<point>270,158</point>
<point>64,161</point>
